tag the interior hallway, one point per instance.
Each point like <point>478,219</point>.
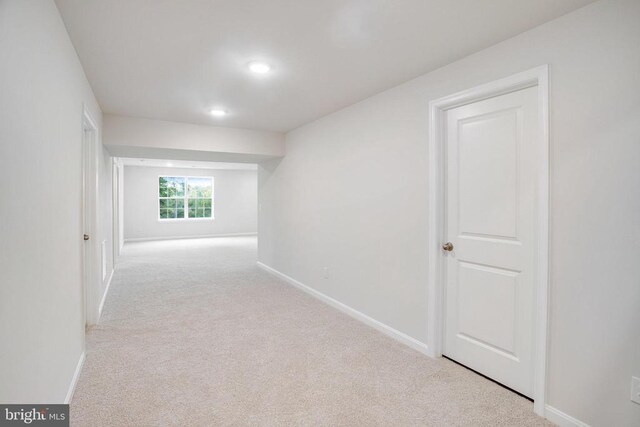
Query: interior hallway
<point>194,333</point>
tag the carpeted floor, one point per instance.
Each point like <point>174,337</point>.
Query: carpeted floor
<point>194,334</point>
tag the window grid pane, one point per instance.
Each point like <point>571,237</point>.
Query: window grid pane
<point>197,191</point>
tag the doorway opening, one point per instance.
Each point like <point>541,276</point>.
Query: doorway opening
<point>169,199</point>
<point>116,205</point>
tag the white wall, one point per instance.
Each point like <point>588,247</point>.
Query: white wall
<point>43,89</point>
<point>351,194</point>
<point>145,138</point>
<point>234,202</point>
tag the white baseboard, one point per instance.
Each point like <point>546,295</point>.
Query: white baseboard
<point>202,236</point>
<point>104,295</point>
<point>561,419</point>
<point>385,329</point>
<point>74,380</point>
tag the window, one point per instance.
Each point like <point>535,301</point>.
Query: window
<point>182,197</point>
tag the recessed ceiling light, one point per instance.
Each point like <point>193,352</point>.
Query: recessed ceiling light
<point>259,67</point>
<point>218,113</point>
<point>169,164</point>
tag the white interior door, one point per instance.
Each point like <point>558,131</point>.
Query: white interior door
<point>89,220</point>
<point>490,223</point>
<point>87,223</point>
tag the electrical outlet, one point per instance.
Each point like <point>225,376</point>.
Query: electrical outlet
<point>635,390</point>
<point>325,272</point>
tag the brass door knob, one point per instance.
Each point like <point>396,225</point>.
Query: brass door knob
<point>448,246</point>
<point>85,237</point>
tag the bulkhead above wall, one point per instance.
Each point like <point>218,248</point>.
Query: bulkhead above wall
<point>157,139</point>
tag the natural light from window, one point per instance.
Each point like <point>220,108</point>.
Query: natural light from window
<point>185,197</point>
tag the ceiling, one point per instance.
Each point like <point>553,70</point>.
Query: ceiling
<point>177,60</point>
<point>187,164</point>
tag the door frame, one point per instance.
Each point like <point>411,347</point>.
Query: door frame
<point>90,209</point>
<point>536,77</point>
<point>115,208</point>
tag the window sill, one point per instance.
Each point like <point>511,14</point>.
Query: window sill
<point>184,219</point>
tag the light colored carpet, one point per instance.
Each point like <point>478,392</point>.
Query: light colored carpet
<point>194,334</point>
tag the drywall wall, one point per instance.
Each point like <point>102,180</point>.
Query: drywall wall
<point>351,195</point>
<point>145,138</point>
<point>43,91</point>
<point>235,202</point>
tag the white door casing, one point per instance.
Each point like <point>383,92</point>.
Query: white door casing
<point>115,208</point>
<point>488,195</point>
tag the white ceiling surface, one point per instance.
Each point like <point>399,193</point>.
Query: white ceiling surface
<point>176,60</point>
<point>184,164</point>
